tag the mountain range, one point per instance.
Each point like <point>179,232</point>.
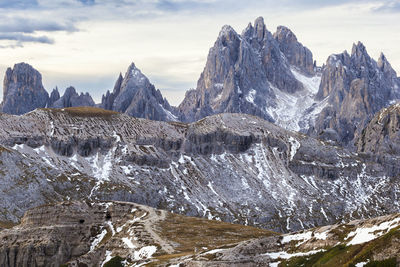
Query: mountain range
<point>272,76</point>
<point>267,139</point>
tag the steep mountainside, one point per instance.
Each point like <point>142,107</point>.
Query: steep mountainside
<point>106,233</point>
<point>382,134</point>
<point>222,167</point>
<point>23,90</point>
<point>356,87</point>
<point>137,97</point>
<point>270,76</point>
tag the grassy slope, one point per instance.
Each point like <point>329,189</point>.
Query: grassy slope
<point>193,235</point>
<point>342,255</point>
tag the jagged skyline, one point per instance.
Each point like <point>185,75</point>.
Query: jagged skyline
<point>89,43</point>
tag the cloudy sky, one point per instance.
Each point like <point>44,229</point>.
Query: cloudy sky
<point>87,43</point>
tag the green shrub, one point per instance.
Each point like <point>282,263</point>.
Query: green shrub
<point>114,262</point>
<point>384,263</point>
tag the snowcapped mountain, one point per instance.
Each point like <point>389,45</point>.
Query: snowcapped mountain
<point>222,167</point>
<point>137,97</point>
<point>270,76</point>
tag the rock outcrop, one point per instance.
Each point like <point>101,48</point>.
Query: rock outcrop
<point>295,52</point>
<point>94,233</point>
<point>382,133</point>
<point>115,233</point>
<point>23,90</point>
<point>137,97</point>
<point>356,87</point>
<point>256,73</point>
<point>71,99</point>
<point>54,96</point>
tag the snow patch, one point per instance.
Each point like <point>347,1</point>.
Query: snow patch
<point>285,255</point>
<point>128,243</point>
<point>98,239</point>
<point>294,146</point>
<point>251,96</point>
<point>145,252</point>
<point>366,234</point>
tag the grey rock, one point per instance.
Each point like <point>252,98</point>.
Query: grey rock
<point>108,99</point>
<point>221,167</point>
<point>137,97</point>
<point>356,87</point>
<point>54,96</point>
<point>72,99</point>
<point>23,90</point>
<point>242,70</point>
<point>382,133</point>
<point>295,52</point>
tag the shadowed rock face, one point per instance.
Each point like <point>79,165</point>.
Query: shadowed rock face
<point>382,133</point>
<point>137,97</point>
<point>356,87</point>
<point>54,96</point>
<point>295,52</point>
<point>71,99</point>
<point>242,69</point>
<point>23,90</point>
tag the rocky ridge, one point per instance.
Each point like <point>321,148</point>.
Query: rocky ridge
<point>24,92</point>
<point>70,99</point>
<point>355,87</point>
<point>382,133</point>
<point>256,73</point>
<point>222,167</point>
<point>137,97</point>
<point>94,233</point>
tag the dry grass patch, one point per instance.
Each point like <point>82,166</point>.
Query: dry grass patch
<point>190,233</point>
<point>85,112</point>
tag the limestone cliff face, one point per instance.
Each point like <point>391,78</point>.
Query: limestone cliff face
<point>297,54</point>
<point>242,69</point>
<point>23,90</point>
<point>356,87</point>
<point>137,97</point>
<point>72,99</point>
<point>382,133</point>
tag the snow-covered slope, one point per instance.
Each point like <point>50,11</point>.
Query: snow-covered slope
<point>297,111</point>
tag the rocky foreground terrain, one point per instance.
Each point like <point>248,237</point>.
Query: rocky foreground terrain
<point>127,234</point>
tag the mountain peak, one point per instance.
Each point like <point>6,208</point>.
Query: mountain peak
<point>260,28</point>
<point>283,32</point>
<point>23,90</point>
<point>358,49</point>
<point>226,31</point>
